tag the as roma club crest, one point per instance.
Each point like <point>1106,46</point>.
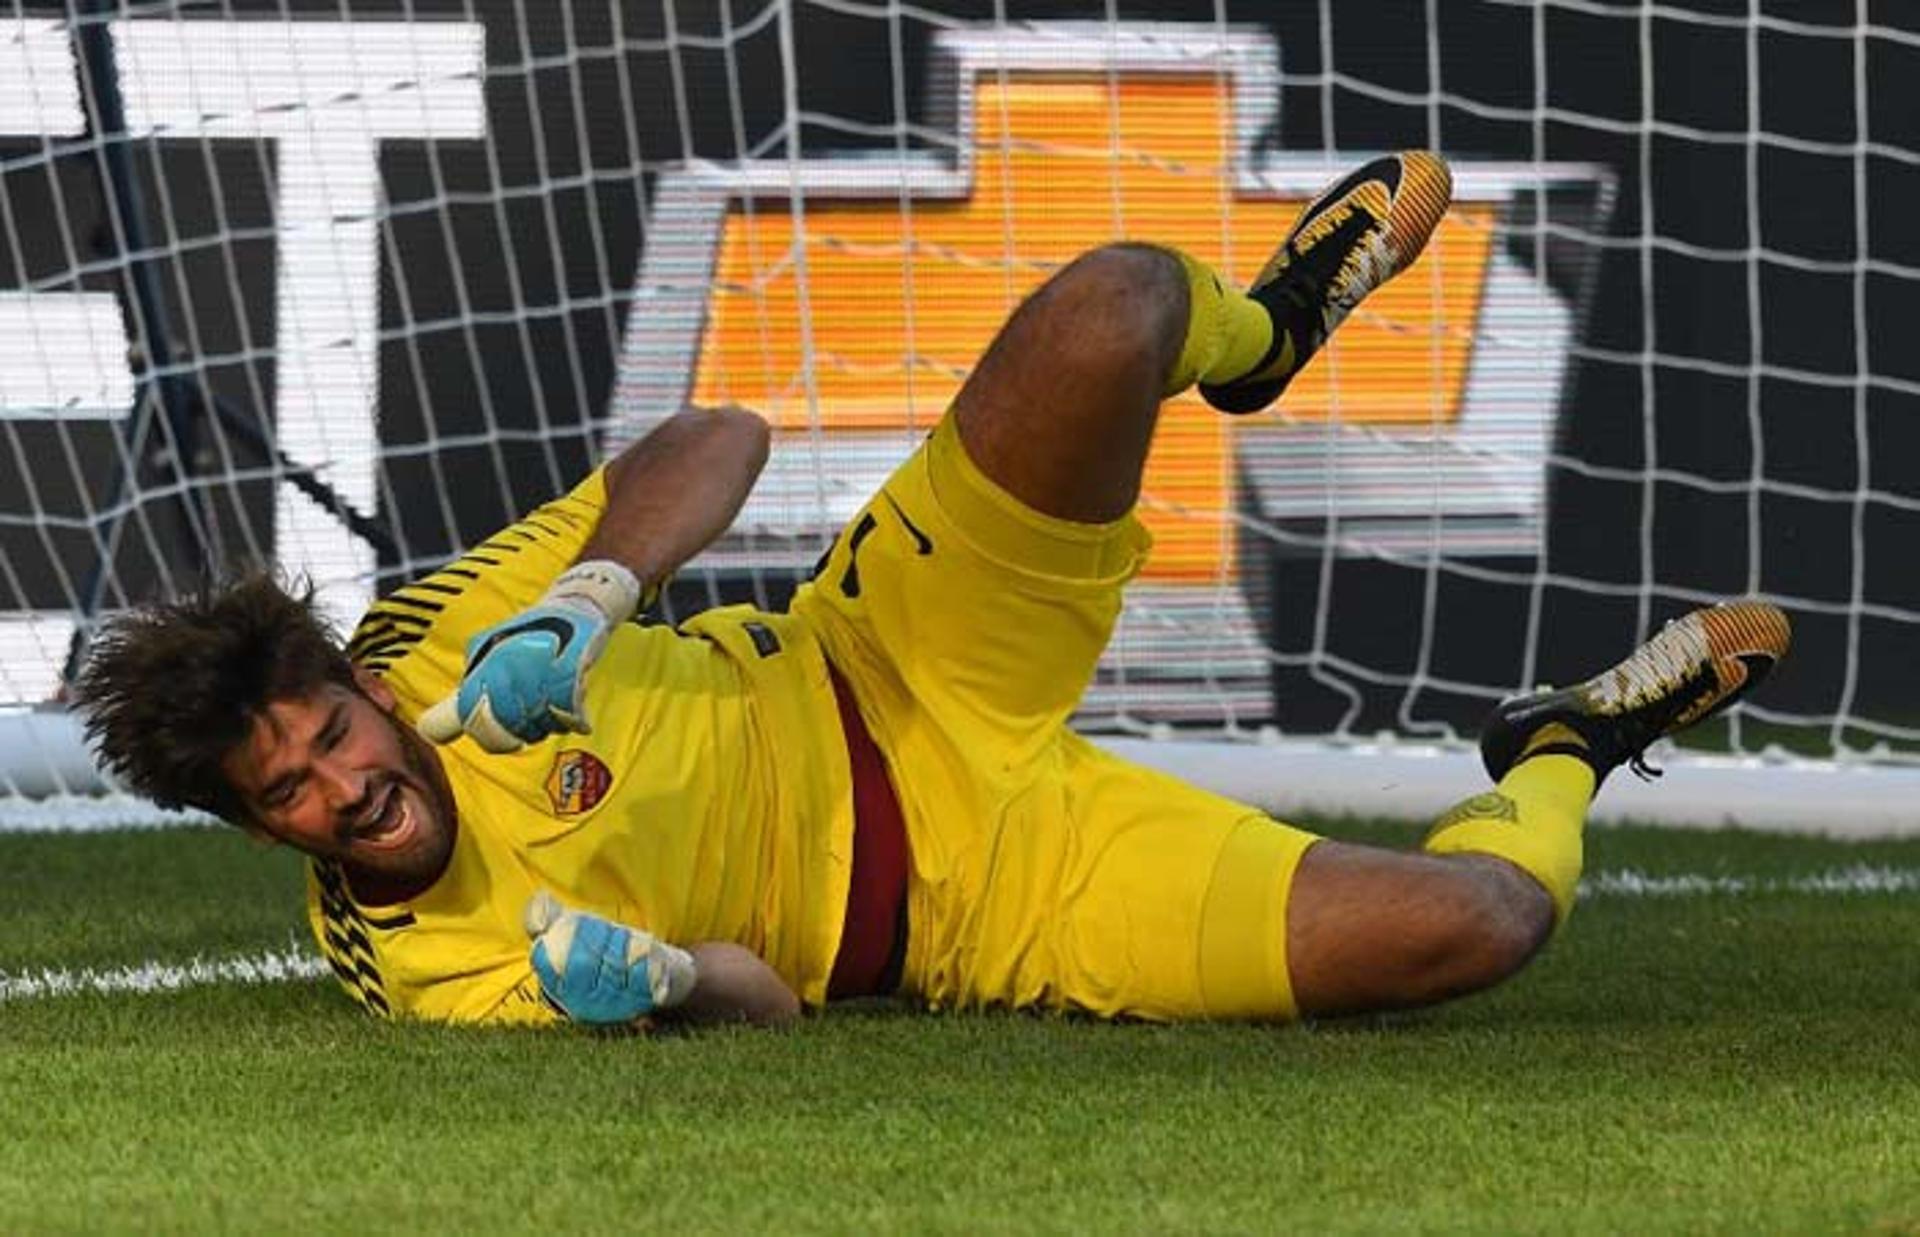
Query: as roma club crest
<point>578,782</point>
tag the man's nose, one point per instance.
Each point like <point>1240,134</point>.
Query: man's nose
<point>345,786</point>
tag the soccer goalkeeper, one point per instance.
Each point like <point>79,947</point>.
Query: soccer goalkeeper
<point>875,791</point>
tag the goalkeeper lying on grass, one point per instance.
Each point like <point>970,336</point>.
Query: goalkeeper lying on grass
<point>522,805</point>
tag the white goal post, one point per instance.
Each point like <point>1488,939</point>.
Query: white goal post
<point>345,293</point>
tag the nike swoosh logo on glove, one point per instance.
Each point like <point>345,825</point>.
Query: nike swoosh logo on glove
<point>560,628</point>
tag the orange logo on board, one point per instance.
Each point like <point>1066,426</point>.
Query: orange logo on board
<point>891,306</point>
<point>578,782</point>
<point>846,297</point>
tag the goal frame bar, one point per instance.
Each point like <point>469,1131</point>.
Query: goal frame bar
<point>49,782</point>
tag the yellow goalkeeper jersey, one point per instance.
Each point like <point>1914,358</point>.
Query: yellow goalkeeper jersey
<point>711,802</point>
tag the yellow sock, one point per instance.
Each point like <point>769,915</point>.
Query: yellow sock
<point>1532,819</point>
<point>1228,332</point>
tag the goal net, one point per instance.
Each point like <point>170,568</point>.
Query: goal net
<point>346,287</point>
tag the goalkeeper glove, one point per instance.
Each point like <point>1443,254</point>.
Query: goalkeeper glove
<point>526,677</point>
<point>603,973</point>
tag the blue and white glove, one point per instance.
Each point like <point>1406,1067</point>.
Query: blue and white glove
<point>526,677</point>
<point>603,973</point>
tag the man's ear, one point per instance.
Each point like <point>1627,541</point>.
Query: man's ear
<point>374,688</point>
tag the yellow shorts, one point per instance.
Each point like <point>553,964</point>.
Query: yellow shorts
<point>1046,872</point>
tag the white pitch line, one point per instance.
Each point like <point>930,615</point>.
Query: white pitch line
<point>273,966</point>
<point>276,966</point>
<point>85,814</point>
<point>1858,879</point>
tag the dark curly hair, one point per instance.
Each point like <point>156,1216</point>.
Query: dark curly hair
<point>168,690</point>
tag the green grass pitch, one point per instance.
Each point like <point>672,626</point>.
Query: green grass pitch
<point>1732,1057</point>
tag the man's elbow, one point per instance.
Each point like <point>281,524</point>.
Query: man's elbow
<point>774,1010</point>
<point>736,986</point>
<point>730,419</point>
<point>756,436</point>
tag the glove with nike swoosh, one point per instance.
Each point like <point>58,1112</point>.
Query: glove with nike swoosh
<point>526,677</point>
<point>601,973</point>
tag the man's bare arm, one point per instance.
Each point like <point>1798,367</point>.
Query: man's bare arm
<point>736,986</point>
<point>601,972</point>
<point>670,494</point>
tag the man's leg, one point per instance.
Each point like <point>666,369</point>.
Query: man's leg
<point>1060,411</point>
<point>1372,929</point>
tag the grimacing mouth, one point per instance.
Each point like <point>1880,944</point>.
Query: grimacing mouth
<point>388,821</point>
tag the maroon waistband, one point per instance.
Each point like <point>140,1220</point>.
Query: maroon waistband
<point>873,939</point>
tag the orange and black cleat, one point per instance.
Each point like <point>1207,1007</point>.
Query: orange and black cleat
<point>1360,232</point>
<point>1696,666</point>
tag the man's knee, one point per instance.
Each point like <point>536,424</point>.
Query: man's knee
<point>1138,292</point>
<point>1375,929</point>
<point>1487,920</point>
